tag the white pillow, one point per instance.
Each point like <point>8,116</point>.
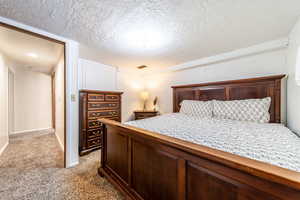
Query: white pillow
<point>254,110</point>
<point>197,108</point>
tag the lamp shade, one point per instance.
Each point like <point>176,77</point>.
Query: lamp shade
<point>144,95</point>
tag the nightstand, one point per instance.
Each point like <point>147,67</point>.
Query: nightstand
<point>140,114</point>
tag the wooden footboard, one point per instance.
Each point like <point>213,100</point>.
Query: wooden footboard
<point>147,165</point>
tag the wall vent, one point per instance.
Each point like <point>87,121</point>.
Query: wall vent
<point>142,67</point>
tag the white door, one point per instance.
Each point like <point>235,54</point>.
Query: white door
<point>11,78</point>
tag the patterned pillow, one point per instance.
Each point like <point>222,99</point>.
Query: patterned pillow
<point>254,110</point>
<point>197,108</point>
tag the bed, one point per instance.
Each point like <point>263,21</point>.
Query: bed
<point>153,159</point>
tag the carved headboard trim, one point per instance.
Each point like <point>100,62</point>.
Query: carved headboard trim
<point>252,88</point>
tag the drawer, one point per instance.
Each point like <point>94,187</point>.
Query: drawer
<point>94,124</point>
<point>95,97</point>
<point>140,117</point>
<point>94,133</point>
<point>112,97</point>
<point>94,142</point>
<point>99,114</point>
<point>103,105</point>
<point>114,118</point>
<point>145,115</point>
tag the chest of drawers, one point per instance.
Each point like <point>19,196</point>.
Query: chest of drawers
<point>92,106</point>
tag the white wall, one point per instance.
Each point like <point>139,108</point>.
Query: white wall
<point>33,105</point>
<point>96,76</point>
<point>60,102</point>
<point>293,90</point>
<point>3,104</point>
<point>265,64</point>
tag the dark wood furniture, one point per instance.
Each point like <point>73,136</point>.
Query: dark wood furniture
<point>233,90</point>
<point>143,114</point>
<point>147,165</point>
<point>94,105</point>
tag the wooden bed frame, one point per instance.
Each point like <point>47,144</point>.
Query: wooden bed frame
<point>148,165</point>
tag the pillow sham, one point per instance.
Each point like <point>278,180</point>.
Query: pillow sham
<point>254,110</point>
<point>200,109</point>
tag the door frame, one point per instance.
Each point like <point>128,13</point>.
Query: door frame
<point>11,105</point>
<point>53,96</point>
<point>22,30</point>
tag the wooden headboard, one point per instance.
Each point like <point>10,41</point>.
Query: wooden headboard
<point>252,88</point>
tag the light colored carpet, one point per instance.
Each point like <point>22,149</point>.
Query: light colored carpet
<point>32,168</point>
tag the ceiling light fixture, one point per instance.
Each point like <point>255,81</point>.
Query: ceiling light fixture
<point>32,55</point>
<point>144,37</point>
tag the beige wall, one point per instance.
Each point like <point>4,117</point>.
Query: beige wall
<point>3,104</point>
<point>264,64</point>
<point>293,90</point>
<point>32,101</point>
<point>59,102</point>
<point>129,82</point>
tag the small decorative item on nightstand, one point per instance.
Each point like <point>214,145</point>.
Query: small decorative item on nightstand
<point>144,96</point>
<point>140,114</point>
<point>155,103</point>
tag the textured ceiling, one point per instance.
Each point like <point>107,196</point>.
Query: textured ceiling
<point>158,33</point>
<point>28,51</point>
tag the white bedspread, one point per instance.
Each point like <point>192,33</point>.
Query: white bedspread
<point>271,143</point>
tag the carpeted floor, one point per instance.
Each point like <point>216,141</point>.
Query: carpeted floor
<point>31,167</point>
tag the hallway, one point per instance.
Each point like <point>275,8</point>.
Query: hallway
<point>32,168</point>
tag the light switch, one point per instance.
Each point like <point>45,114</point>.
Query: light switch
<point>73,97</point>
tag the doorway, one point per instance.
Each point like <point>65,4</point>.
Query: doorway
<point>57,94</point>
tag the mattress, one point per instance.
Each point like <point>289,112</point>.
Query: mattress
<point>271,143</point>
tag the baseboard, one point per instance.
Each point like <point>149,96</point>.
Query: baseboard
<point>32,130</point>
<point>73,164</point>
<point>60,143</point>
<point>3,148</point>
